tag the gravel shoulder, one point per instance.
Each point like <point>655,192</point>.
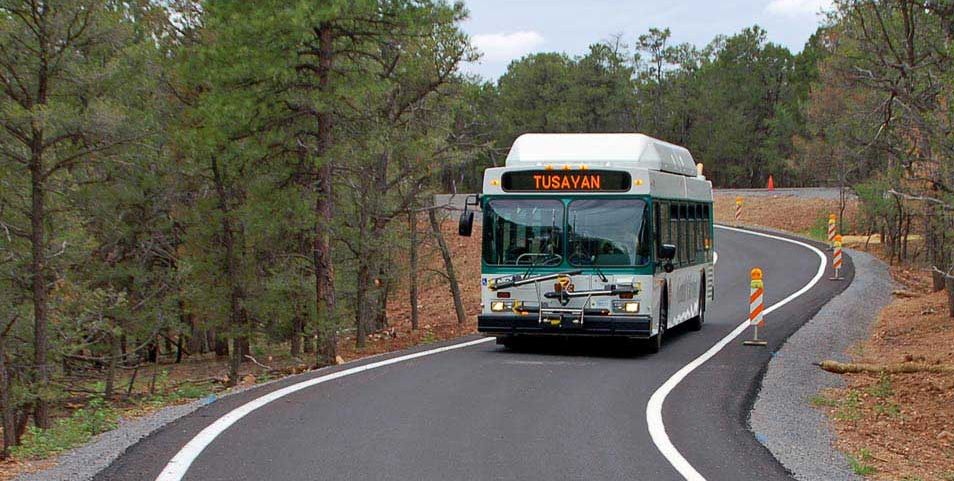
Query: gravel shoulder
<point>84,462</point>
<point>783,419</point>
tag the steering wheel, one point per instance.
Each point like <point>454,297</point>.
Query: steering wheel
<point>579,258</point>
<point>548,260</point>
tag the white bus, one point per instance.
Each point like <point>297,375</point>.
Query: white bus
<point>594,235</point>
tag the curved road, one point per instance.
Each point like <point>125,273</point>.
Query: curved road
<point>559,411</point>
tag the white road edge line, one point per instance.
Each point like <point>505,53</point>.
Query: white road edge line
<point>654,420</point>
<point>180,463</point>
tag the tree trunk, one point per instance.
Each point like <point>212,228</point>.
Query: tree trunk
<point>902,368</point>
<point>937,276</point>
<point>412,270</point>
<point>308,340</point>
<point>233,277</point>
<point>9,411</point>
<point>115,353</point>
<point>218,343</point>
<point>296,336</point>
<point>41,413</point>
<point>448,265</point>
<point>324,209</point>
<point>381,306</point>
<point>361,304</point>
<point>949,285</point>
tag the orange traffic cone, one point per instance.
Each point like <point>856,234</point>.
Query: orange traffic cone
<point>771,183</point>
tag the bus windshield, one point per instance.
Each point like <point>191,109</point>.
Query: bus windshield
<point>523,232</point>
<point>608,232</point>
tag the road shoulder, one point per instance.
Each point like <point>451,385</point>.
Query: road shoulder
<point>782,418</point>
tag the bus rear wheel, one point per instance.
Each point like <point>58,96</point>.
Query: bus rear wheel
<point>695,324</point>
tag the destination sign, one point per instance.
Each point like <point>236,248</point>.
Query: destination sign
<point>566,181</point>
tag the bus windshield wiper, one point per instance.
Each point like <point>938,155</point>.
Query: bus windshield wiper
<point>505,282</point>
<point>599,271</point>
<point>533,263</point>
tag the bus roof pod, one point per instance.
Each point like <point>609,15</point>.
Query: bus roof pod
<point>601,150</point>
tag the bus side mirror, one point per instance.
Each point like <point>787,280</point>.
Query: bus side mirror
<point>667,253</point>
<point>466,224</point>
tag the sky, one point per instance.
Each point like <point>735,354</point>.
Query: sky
<point>505,30</point>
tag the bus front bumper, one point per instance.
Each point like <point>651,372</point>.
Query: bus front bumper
<point>508,324</point>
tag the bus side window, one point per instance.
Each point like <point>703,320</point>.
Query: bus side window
<point>691,233</point>
<point>683,243</point>
<point>673,237</point>
<point>663,225</point>
<point>707,228</point>
<point>700,235</point>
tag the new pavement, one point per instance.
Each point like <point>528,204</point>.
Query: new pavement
<point>557,411</point>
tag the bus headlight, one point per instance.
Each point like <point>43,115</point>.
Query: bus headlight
<point>630,307</point>
<point>500,306</point>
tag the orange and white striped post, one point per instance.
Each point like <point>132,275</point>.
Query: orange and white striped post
<point>831,231</point>
<point>836,259</point>
<point>738,210</point>
<point>756,307</point>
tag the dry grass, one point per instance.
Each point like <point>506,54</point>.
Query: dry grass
<point>784,212</point>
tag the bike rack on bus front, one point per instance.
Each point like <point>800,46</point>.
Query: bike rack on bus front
<point>563,296</point>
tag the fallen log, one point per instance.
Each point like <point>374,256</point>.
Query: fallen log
<point>901,368</point>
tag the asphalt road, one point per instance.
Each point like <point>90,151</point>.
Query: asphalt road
<point>558,411</point>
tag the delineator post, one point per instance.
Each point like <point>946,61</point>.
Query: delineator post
<point>738,210</point>
<point>756,307</point>
<point>836,259</point>
<point>831,231</point>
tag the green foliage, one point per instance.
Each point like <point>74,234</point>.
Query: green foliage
<point>736,104</point>
<point>429,337</point>
<point>859,464</point>
<point>819,229</point>
<point>883,388</point>
<point>819,400</point>
<point>83,424</point>
<point>849,408</point>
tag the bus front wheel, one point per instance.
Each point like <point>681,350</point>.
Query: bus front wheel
<point>654,344</point>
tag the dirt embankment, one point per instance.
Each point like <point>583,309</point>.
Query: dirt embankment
<point>784,212</point>
<point>901,426</point>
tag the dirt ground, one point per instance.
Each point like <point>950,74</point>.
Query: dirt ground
<point>788,213</point>
<point>901,426</point>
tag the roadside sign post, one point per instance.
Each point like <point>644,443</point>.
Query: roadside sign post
<point>738,211</point>
<point>756,308</point>
<point>831,231</point>
<point>836,260</point>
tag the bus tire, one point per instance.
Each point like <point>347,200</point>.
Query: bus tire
<point>695,324</point>
<point>508,342</point>
<point>654,344</point>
